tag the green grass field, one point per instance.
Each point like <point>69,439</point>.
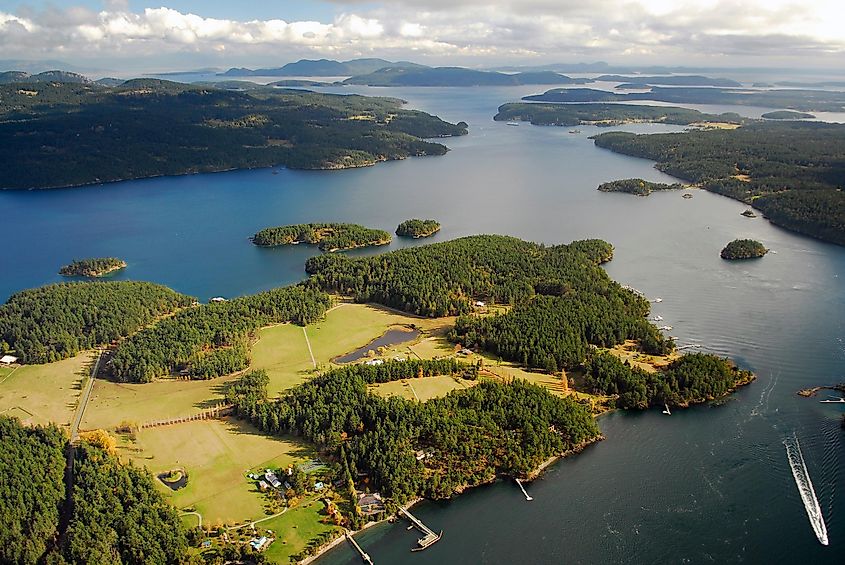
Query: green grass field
<point>216,454</point>
<point>294,529</point>
<point>421,389</point>
<point>39,394</point>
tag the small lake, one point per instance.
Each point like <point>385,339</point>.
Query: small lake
<point>393,336</point>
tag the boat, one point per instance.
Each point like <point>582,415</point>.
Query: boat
<point>575,131</point>
<point>513,123</point>
<point>658,300</point>
<point>666,328</point>
<point>666,409</point>
<point>834,400</point>
<point>658,318</point>
<point>687,195</point>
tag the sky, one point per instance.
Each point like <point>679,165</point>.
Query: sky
<point>162,35</point>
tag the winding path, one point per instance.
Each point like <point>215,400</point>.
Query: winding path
<point>310,352</point>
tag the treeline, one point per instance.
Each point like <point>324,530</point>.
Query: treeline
<point>32,489</point>
<point>743,249</point>
<point>792,171</point>
<point>470,436</point>
<point>638,187</point>
<point>116,515</point>
<point>444,279</point>
<point>328,237</point>
<point>691,379</point>
<point>578,114</point>
<point>212,339</point>
<point>149,127</point>
<point>57,321</point>
<point>418,228</point>
<point>96,267</point>
<point>556,332</point>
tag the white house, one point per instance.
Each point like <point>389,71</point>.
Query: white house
<point>8,359</point>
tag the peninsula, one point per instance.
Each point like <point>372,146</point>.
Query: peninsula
<point>743,249</point>
<point>418,228</point>
<point>605,114</point>
<point>96,267</point>
<point>104,134</point>
<point>327,237</point>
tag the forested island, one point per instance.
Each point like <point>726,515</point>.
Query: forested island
<point>787,115</point>
<point>792,171</point>
<point>418,228</point>
<point>457,76</point>
<point>57,321</point>
<point>743,249</point>
<point>638,187</point>
<point>644,81</point>
<point>96,267</point>
<point>605,114</point>
<point>66,134</point>
<point>113,514</point>
<point>801,100</point>
<point>328,237</point>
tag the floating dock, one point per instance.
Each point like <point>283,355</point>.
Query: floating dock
<point>364,557</point>
<point>429,537</point>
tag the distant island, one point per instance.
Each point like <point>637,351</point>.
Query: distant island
<point>327,237</point>
<point>418,228</point>
<point>803,100</point>
<point>668,80</point>
<point>322,68</point>
<point>743,249</point>
<point>787,115</point>
<point>150,127</point>
<point>790,170</point>
<point>606,114</point>
<point>457,76</point>
<point>638,187</point>
<point>96,267</point>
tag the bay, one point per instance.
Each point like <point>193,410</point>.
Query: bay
<point>709,484</point>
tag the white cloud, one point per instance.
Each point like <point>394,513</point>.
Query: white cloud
<point>473,31</point>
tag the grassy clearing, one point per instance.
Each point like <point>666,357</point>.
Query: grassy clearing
<point>112,403</point>
<point>294,529</point>
<point>421,389</point>
<point>627,352</point>
<point>39,394</point>
<point>216,454</point>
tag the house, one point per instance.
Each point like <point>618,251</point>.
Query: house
<point>218,299</point>
<point>260,543</point>
<point>263,486</point>
<point>8,359</point>
<point>370,503</point>
<point>206,544</point>
<point>318,486</point>
<point>375,362</point>
<point>480,304</point>
<point>271,478</point>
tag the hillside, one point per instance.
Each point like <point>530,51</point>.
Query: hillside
<point>59,134</point>
<point>456,76</point>
<point>321,68</point>
<point>604,114</point>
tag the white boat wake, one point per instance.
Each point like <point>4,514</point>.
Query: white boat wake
<point>805,487</point>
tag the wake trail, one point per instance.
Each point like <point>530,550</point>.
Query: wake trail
<point>805,487</point>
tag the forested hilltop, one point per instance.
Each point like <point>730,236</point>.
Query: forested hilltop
<point>793,172</point>
<point>417,228</point>
<point>327,237</point>
<point>66,134</point>
<point>57,321</point>
<point>96,267</point>
<point>114,512</point>
<point>605,114</point>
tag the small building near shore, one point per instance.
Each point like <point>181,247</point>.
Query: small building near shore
<point>8,359</point>
<point>370,504</point>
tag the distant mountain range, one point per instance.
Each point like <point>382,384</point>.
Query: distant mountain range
<point>322,68</point>
<point>11,77</point>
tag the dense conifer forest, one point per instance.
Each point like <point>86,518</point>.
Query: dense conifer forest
<point>418,228</point>
<point>691,379</point>
<point>327,237</point>
<point>57,321</point>
<point>471,435</point>
<point>115,514</point>
<point>95,267</point>
<point>62,134</point>
<point>793,172</point>
<point>211,340</point>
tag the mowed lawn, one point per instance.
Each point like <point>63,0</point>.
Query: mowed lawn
<point>421,389</point>
<point>40,394</point>
<point>216,454</point>
<point>294,529</point>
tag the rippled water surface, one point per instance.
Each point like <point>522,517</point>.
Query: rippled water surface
<point>710,484</point>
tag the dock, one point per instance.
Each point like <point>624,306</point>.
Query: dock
<point>429,537</point>
<point>522,488</point>
<point>364,557</point>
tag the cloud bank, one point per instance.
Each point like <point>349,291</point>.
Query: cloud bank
<point>471,32</point>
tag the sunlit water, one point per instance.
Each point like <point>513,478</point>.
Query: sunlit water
<point>710,484</point>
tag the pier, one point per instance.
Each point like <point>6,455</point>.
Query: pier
<point>364,557</point>
<point>522,488</point>
<point>429,537</point>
